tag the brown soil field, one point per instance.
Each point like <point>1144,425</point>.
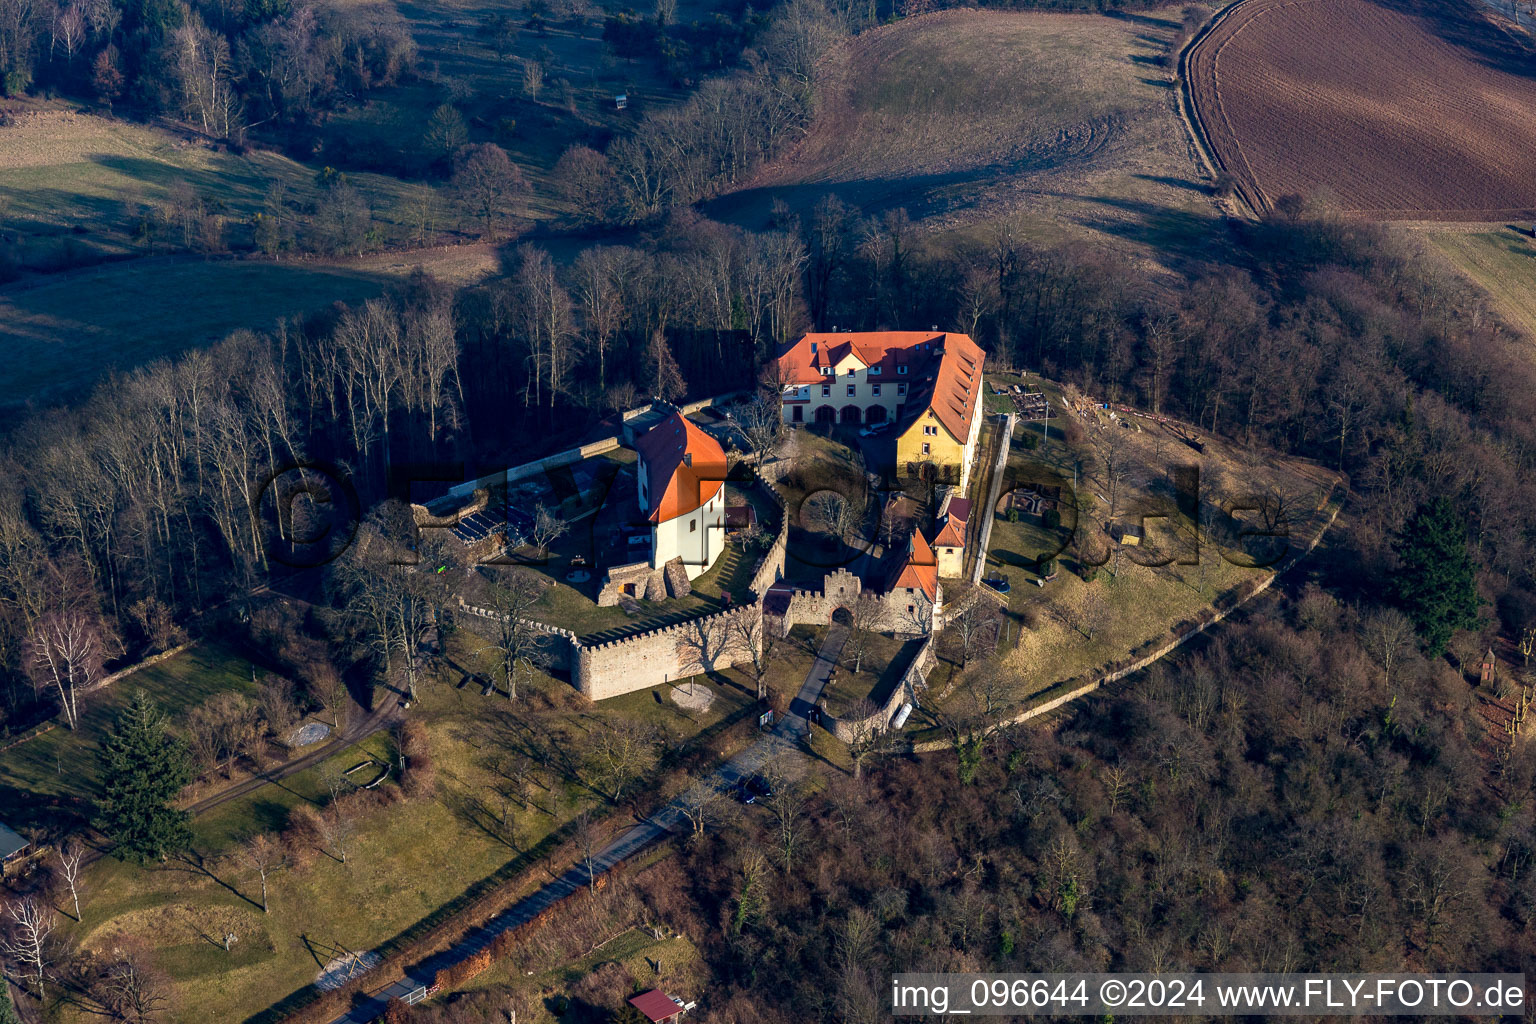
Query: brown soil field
<point>960,117</point>
<point>1389,109</point>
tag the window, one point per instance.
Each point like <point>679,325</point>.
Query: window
<point>852,371</point>
<point>901,388</point>
<point>826,391</point>
<point>813,348</point>
<point>827,371</point>
<point>693,526</point>
<point>874,371</point>
<point>911,609</point>
<point>853,389</point>
<point>901,369</point>
<point>926,449</point>
<point>875,388</point>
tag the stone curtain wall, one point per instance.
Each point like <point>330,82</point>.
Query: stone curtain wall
<point>660,656</point>
<point>842,589</point>
<point>771,569</point>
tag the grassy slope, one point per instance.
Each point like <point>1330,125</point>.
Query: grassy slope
<point>1502,263</point>
<point>409,860</point>
<point>61,170</point>
<point>66,331</point>
<point>1144,602</point>
<point>63,763</point>
<point>1067,120</point>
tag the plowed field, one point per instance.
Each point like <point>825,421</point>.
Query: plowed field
<point>1397,109</point>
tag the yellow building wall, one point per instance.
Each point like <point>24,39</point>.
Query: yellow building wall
<point>944,449</point>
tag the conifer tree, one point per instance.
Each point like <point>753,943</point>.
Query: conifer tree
<point>1435,584</point>
<point>143,768</point>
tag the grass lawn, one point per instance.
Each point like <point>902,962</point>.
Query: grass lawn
<point>1503,263</point>
<point>62,762</point>
<point>407,861</point>
<point>1059,632</point>
<point>885,661</point>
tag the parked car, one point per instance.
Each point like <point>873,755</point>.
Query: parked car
<point>874,429</point>
<point>753,787</point>
<point>998,583</point>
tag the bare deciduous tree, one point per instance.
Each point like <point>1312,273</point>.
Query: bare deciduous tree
<point>515,636</point>
<point>264,854</point>
<point>71,860</point>
<point>66,649</point>
<point>26,938</point>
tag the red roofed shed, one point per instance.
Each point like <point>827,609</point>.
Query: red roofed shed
<point>658,1007</point>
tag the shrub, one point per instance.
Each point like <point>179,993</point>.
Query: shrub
<point>1051,518</point>
<point>420,776</point>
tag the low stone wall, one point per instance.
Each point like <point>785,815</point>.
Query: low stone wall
<point>153,659</point>
<point>557,653</point>
<point>916,676</point>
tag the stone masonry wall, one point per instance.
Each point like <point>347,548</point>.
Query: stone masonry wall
<point>660,656</point>
<point>849,730</point>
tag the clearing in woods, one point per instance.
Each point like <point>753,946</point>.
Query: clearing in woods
<point>463,64</point>
<point>67,330</point>
<point>1402,109</point>
<point>962,116</point>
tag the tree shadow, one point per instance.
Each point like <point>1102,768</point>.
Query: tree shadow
<point>195,863</point>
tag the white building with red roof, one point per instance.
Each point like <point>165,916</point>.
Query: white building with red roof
<point>682,494</point>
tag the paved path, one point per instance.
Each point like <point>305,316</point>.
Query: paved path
<point>782,744</point>
<point>993,493</point>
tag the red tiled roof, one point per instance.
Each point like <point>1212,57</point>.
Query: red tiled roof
<point>656,1005</point>
<point>951,534</point>
<point>684,467</point>
<point>956,377</point>
<point>920,569</point>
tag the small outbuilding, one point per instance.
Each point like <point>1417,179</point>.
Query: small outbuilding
<point>658,1007</point>
<point>12,847</point>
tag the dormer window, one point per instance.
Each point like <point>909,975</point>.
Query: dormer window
<point>874,370</point>
<point>813,348</point>
<point>901,369</point>
<point>826,371</point>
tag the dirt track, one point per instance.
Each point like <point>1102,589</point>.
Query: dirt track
<point>1398,109</point>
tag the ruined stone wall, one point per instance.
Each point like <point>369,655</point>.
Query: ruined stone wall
<point>556,653</point>
<point>842,589</point>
